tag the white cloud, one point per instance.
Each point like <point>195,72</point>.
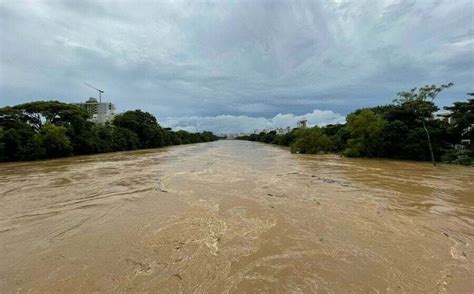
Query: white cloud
<point>242,123</point>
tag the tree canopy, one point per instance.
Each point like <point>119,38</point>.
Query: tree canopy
<point>50,129</point>
<point>398,130</point>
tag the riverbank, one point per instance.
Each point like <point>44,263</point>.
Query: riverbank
<point>52,129</point>
<point>467,160</point>
<point>407,129</point>
<point>234,216</point>
<point>315,141</point>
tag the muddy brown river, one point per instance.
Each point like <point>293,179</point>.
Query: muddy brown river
<point>235,216</point>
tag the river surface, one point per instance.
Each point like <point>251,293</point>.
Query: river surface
<point>235,216</point>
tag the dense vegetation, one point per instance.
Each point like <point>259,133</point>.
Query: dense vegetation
<point>50,129</point>
<point>406,129</point>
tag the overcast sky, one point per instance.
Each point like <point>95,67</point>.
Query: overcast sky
<point>231,66</point>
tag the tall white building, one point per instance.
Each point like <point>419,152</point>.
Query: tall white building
<point>99,112</point>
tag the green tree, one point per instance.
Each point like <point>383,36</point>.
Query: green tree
<point>366,128</point>
<point>421,101</point>
<point>284,139</point>
<point>124,139</point>
<point>47,129</point>
<point>339,135</point>
<point>269,137</point>
<point>20,144</point>
<point>462,119</point>
<point>310,141</point>
<point>39,112</point>
<point>144,125</point>
<point>54,140</point>
<point>3,154</point>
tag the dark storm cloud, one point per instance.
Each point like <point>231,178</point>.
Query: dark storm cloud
<point>187,61</point>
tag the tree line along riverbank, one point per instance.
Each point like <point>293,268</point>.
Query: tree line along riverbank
<point>51,129</point>
<point>406,129</point>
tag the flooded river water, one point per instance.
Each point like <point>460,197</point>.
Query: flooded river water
<point>235,216</point>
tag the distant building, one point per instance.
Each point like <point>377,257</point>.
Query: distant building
<point>99,112</point>
<point>444,116</point>
<point>301,124</point>
<point>466,142</point>
<point>279,131</point>
<point>231,136</point>
<point>282,131</point>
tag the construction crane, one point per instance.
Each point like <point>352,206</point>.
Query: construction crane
<point>99,90</point>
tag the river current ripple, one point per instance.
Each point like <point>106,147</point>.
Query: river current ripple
<point>235,216</point>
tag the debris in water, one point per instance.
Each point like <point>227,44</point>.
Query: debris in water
<point>158,188</point>
<point>273,195</point>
